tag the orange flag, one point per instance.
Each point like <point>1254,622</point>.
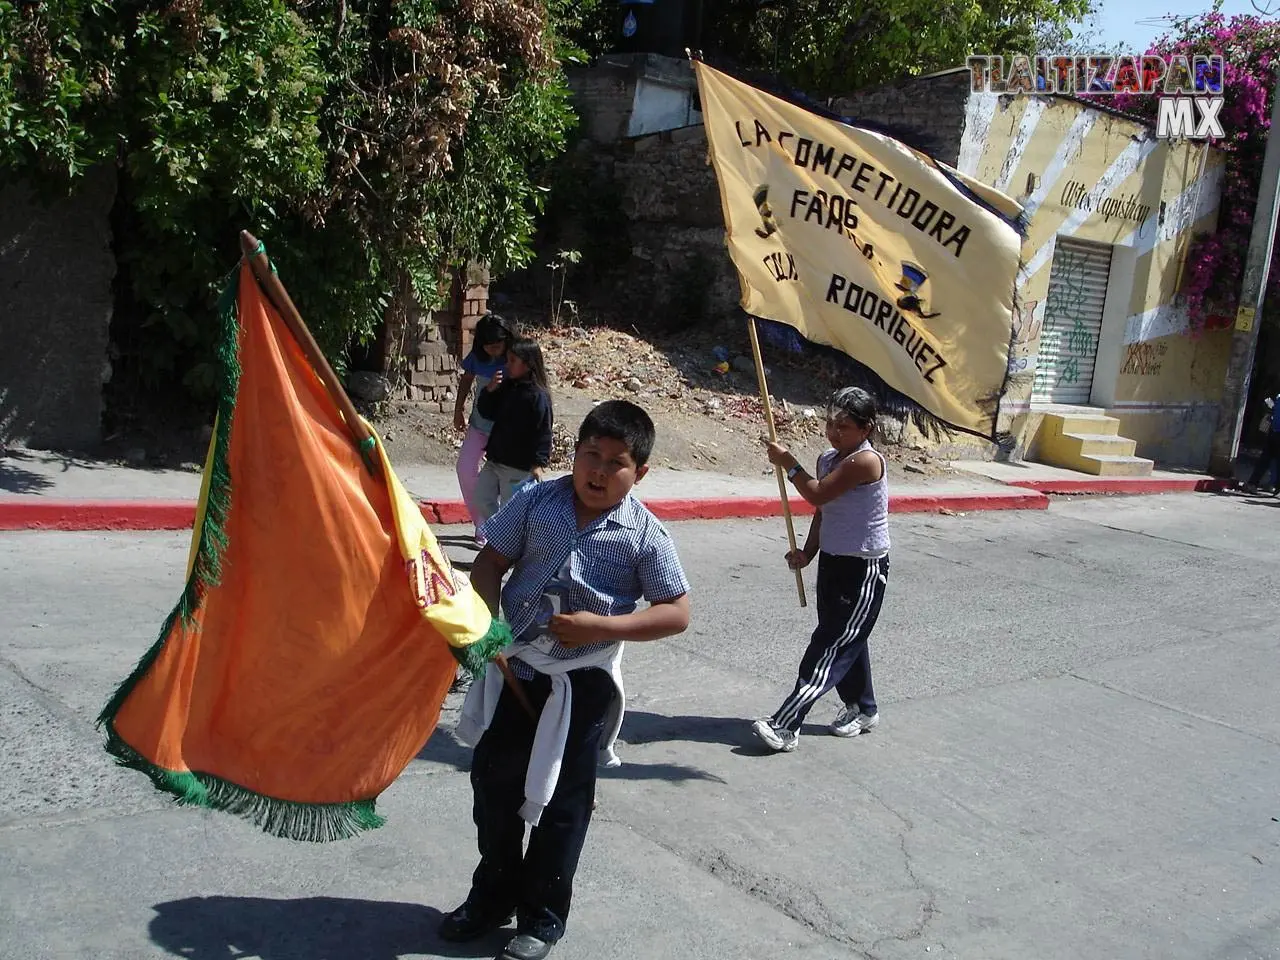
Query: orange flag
<point>307,660</point>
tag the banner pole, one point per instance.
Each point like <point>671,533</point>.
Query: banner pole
<point>773,437</point>
<point>275,291</point>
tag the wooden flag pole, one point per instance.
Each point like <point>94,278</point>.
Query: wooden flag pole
<point>773,436</point>
<point>256,256</point>
<point>271,285</point>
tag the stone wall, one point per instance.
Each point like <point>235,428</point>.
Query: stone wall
<point>932,108</point>
<point>631,93</point>
<point>443,338</point>
<point>56,273</point>
<point>603,96</point>
<point>680,269</point>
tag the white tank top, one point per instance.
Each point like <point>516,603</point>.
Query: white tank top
<point>856,523</point>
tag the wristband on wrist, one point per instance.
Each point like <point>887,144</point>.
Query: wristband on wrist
<point>791,474</point>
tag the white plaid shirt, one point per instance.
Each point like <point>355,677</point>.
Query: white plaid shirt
<point>605,568</point>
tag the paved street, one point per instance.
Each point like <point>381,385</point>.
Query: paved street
<point>1079,757</point>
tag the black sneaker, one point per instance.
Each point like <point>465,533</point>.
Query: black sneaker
<point>471,921</point>
<point>525,946</point>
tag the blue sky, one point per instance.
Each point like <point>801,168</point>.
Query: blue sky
<point>1122,21</point>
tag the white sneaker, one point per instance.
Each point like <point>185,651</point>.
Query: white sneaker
<point>851,722</point>
<point>775,737</point>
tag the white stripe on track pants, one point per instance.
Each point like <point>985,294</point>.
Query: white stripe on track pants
<point>850,593</point>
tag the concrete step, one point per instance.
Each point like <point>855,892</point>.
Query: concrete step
<point>1093,424</point>
<point>1103,465</point>
<point>1100,444</point>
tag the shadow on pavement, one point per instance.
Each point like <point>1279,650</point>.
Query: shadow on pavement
<point>639,727</point>
<point>315,928</point>
<point>443,749</point>
<point>14,479</point>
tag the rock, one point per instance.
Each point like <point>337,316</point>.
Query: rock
<point>368,385</point>
<point>809,413</point>
<point>712,404</point>
<point>913,468</point>
<point>634,385</point>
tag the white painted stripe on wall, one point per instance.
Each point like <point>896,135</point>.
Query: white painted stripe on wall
<point>978,111</point>
<point>1026,130</point>
<point>1157,322</point>
<point>1198,200</point>
<point>1066,153</point>
<point>1122,167</point>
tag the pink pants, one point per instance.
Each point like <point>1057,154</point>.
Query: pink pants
<point>470,460</point>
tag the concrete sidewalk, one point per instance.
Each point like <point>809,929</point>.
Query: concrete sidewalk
<point>1046,479</point>
<point>40,490</point>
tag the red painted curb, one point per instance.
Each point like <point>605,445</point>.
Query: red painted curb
<point>32,512</point>
<point>1130,485</point>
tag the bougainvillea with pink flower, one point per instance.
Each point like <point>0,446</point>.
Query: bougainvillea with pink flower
<point>1250,47</point>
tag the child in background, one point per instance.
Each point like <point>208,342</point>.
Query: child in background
<point>488,354</point>
<point>1270,449</point>
<point>850,537</point>
<point>518,401</point>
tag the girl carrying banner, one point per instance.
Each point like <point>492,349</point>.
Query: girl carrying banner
<point>850,538</point>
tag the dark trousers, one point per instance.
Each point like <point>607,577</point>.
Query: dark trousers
<point>850,593</point>
<point>1270,455</point>
<point>537,882</point>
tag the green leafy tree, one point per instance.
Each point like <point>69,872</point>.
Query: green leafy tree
<point>834,47</point>
<point>372,143</point>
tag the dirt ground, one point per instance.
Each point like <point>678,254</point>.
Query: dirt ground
<point>707,418</point>
<point>699,385</point>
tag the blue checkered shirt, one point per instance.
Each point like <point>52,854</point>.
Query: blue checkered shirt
<point>605,568</point>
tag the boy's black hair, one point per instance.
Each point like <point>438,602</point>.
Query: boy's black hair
<point>491,328</point>
<point>621,420</point>
<point>855,403</point>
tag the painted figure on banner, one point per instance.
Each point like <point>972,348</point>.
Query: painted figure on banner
<point>770,227</point>
<point>913,278</point>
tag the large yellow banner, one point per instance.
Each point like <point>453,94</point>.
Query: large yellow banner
<point>868,246</point>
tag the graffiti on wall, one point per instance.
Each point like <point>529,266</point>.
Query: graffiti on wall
<point>1144,359</point>
<point>1026,334</point>
<point>1076,342</point>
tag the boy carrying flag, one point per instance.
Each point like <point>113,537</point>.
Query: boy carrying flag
<point>582,552</point>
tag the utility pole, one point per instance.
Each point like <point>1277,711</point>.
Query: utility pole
<point>1253,289</point>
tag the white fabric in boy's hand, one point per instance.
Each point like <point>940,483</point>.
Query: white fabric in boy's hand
<point>547,752</point>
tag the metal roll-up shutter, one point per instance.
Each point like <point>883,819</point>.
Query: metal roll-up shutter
<point>1072,322</point>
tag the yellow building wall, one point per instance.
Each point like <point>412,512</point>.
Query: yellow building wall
<point>1093,176</point>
